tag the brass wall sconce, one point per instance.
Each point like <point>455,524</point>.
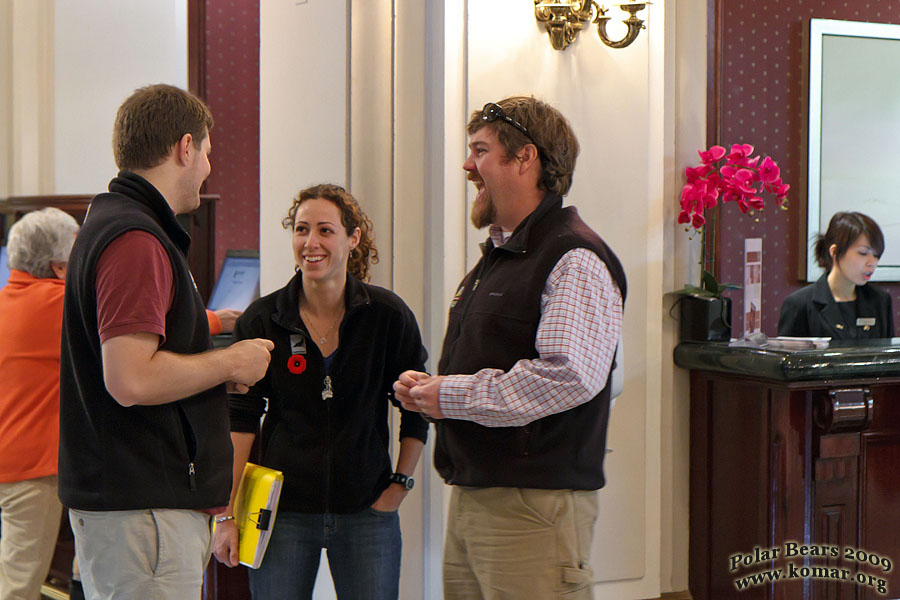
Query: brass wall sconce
<point>564,20</point>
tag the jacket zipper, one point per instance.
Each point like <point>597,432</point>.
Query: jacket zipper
<point>487,261</point>
<point>191,442</point>
<point>328,393</point>
<point>464,310</point>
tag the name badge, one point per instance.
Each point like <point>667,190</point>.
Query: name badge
<point>298,344</point>
<point>865,322</point>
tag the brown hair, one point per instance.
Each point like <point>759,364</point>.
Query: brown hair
<point>152,120</point>
<point>550,131</point>
<point>352,216</point>
<point>843,231</point>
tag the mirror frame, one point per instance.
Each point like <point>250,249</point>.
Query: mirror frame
<point>820,73</point>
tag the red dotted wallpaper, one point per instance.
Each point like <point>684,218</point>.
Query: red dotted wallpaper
<point>765,46</point>
<point>232,92</point>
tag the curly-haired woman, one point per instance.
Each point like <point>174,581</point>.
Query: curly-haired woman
<point>339,345</point>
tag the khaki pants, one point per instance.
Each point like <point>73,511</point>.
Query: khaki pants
<point>156,554</point>
<point>511,543</point>
<point>30,511</point>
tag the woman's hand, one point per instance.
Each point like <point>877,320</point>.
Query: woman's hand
<point>225,543</point>
<point>390,498</point>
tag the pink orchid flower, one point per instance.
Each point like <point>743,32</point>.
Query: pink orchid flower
<point>712,155</point>
<point>750,162</point>
<point>698,221</point>
<point>731,195</point>
<point>740,152</point>
<point>728,171</point>
<point>693,174</point>
<point>768,170</point>
<point>756,203</point>
<point>742,178</point>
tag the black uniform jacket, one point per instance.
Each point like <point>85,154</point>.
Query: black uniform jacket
<point>328,431</point>
<point>813,312</point>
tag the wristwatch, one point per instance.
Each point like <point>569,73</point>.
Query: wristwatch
<point>404,480</point>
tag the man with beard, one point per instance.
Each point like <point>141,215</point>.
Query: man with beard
<point>521,403</point>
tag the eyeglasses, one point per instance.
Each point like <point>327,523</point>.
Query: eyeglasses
<point>491,112</point>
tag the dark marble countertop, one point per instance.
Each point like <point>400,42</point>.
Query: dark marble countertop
<point>840,360</point>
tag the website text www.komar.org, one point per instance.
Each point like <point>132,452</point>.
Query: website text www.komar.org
<point>857,566</point>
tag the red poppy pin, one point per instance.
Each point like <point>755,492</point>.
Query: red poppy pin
<point>296,364</point>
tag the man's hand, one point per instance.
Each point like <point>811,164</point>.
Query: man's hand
<point>426,395</point>
<point>249,361</point>
<point>236,388</point>
<point>404,384</point>
<point>227,317</point>
<point>420,392</point>
<point>390,498</point>
<point>225,543</point>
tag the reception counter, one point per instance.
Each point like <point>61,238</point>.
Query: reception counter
<point>795,471</point>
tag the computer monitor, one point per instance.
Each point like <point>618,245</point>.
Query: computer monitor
<point>238,282</point>
<point>4,267</point>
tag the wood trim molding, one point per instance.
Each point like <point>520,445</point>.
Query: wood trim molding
<point>196,67</point>
<point>714,67</point>
<point>685,595</point>
<point>196,26</point>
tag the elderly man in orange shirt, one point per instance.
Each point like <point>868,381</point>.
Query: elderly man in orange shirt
<point>31,306</point>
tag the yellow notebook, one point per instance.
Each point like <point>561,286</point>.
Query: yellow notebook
<point>256,506</point>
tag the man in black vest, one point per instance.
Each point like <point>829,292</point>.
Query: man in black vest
<point>145,451</point>
<point>521,403</point>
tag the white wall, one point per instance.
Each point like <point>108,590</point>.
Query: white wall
<point>104,50</point>
<point>66,67</point>
<point>684,124</point>
<point>6,146</point>
<point>303,124</point>
<point>28,97</point>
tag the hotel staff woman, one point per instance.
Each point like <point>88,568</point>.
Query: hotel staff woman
<point>340,344</point>
<point>841,304</point>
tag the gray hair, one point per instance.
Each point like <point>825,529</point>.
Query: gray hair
<point>39,238</point>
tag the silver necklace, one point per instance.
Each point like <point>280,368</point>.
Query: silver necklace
<point>322,338</point>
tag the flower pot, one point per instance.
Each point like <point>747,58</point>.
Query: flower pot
<point>705,319</point>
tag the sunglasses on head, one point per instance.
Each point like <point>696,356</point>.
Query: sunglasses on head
<point>491,112</point>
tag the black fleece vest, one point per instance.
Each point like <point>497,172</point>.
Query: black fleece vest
<point>175,455</point>
<point>493,323</point>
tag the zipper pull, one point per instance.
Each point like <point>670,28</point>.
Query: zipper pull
<point>475,286</point>
<point>192,477</point>
<point>327,391</point>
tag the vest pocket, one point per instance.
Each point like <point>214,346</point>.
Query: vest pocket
<point>523,440</point>
<point>190,440</point>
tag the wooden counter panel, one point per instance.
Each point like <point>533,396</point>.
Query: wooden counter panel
<point>763,474</point>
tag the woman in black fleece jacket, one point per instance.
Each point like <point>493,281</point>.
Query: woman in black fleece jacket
<point>339,345</point>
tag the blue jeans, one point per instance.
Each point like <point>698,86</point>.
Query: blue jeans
<point>363,553</point>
